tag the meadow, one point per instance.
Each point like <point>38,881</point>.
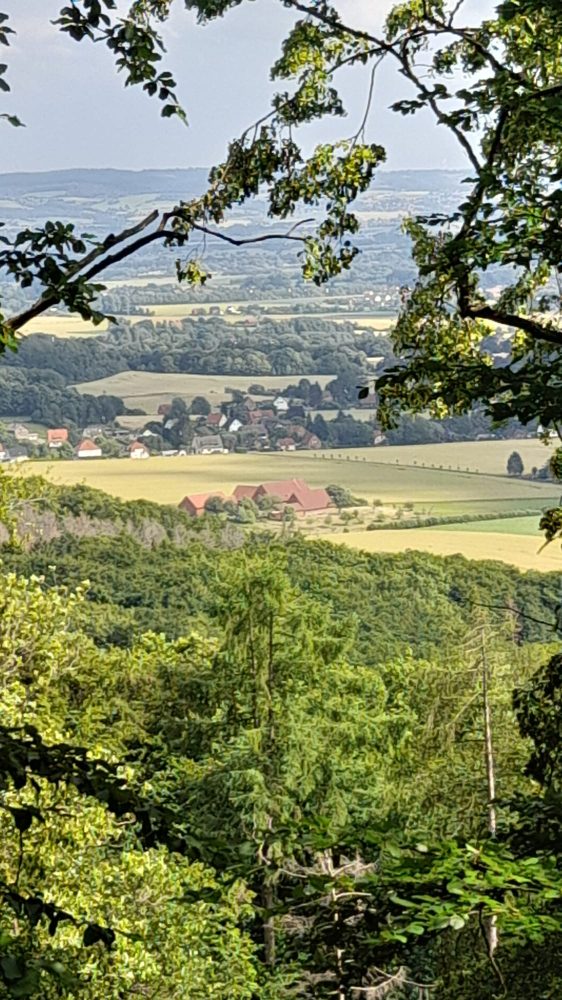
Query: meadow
<point>146,390</point>
<point>69,325</point>
<point>521,550</point>
<point>488,457</point>
<point>432,492</point>
<point>167,480</point>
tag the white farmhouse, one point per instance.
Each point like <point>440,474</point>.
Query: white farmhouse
<point>88,449</point>
<point>138,450</point>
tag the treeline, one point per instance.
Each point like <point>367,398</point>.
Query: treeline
<point>43,396</point>
<point>249,774</point>
<point>174,585</point>
<point>204,346</point>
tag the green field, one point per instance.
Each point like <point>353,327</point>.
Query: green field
<point>147,390</point>
<point>503,526</point>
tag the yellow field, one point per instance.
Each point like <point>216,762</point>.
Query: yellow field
<point>149,389</point>
<point>517,550</point>
<point>167,480</point>
<point>477,456</point>
<point>63,326</point>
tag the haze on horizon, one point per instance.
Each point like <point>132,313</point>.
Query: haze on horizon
<point>78,114</point>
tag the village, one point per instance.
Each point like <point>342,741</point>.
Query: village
<point>245,423</point>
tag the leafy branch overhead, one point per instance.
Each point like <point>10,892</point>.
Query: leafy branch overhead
<point>492,262</point>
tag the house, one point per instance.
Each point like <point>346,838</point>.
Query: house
<point>3,453</point>
<point>281,404</point>
<point>311,441</point>
<point>22,433</point>
<point>235,425</point>
<point>18,454</point>
<point>293,492</point>
<point>194,503</point>
<point>164,409</point>
<point>207,444</point>
<point>57,437</point>
<point>216,420</point>
<point>88,449</point>
<point>94,431</point>
<point>255,417</point>
<point>286,444</point>
<point>138,450</point>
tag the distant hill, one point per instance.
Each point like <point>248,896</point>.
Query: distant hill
<point>87,183</point>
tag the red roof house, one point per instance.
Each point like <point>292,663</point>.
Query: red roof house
<point>194,503</point>
<point>215,420</point>
<point>138,450</point>
<point>88,449</point>
<point>57,437</point>
<point>286,444</point>
<point>295,492</point>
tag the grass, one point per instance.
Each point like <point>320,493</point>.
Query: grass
<point>70,325</point>
<point>505,526</point>
<point>513,540</point>
<point>149,389</point>
<point>167,480</point>
<point>521,550</point>
<point>489,457</point>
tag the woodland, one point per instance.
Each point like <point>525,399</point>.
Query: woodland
<point>256,768</point>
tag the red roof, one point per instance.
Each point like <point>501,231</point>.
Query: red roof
<point>214,419</point>
<point>137,445</point>
<point>293,491</point>
<point>307,500</point>
<point>57,434</point>
<point>282,488</point>
<point>244,491</point>
<point>88,445</point>
<point>197,501</point>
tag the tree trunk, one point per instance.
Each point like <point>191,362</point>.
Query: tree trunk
<point>491,928</point>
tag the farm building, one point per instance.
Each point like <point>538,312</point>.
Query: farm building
<point>216,420</point>
<point>18,454</point>
<point>88,449</point>
<point>138,450</point>
<point>194,503</point>
<point>286,444</point>
<point>293,492</point>
<point>57,437</point>
<point>22,433</point>
<point>208,444</point>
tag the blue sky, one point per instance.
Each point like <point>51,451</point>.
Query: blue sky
<point>78,114</point>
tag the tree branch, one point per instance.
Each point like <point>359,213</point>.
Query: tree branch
<point>530,326</point>
<point>77,271</point>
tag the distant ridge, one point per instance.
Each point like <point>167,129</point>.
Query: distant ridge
<point>176,182</point>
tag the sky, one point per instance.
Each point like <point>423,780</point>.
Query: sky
<point>78,114</point>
